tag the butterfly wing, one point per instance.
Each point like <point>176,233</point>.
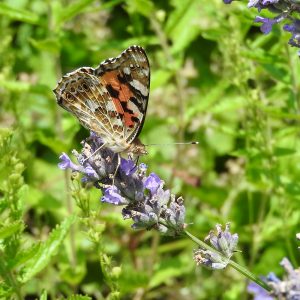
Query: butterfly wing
<point>83,95</point>
<point>127,80</point>
<point>110,100</point>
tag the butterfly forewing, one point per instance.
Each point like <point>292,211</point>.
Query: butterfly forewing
<point>127,79</point>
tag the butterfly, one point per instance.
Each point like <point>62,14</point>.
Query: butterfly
<point>110,100</point>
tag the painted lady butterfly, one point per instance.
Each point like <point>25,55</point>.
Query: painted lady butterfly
<point>110,100</point>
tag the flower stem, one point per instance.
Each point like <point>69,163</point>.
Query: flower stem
<point>233,264</point>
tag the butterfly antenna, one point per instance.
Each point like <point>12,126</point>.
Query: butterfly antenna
<point>171,144</point>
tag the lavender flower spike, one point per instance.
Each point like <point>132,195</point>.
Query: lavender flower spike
<point>144,198</point>
<point>288,288</point>
<point>259,292</point>
<point>222,241</point>
<point>284,10</point>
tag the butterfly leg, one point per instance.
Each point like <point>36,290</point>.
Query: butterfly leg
<point>97,150</point>
<point>117,168</point>
<point>135,163</point>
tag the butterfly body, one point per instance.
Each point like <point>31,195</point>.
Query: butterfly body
<point>110,100</point>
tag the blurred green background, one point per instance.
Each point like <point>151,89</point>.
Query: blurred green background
<point>216,79</point>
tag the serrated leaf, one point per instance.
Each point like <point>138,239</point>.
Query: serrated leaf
<point>23,256</point>
<point>47,250</point>
<point>18,14</point>
<point>10,229</point>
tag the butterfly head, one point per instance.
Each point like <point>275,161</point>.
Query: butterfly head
<point>137,148</point>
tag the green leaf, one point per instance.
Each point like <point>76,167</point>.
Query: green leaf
<point>131,280</point>
<point>10,229</point>
<point>18,14</point>
<point>15,85</point>
<point>160,78</point>
<point>79,297</point>
<point>47,250</point>
<point>5,291</point>
<point>280,151</point>
<point>183,24</point>
<point>73,275</point>
<point>24,256</point>
<point>169,268</point>
<point>51,45</point>
<point>75,8</point>
<point>144,7</point>
<point>43,295</point>
<point>54,143</point>
<point>209,99</point>
<point>65,13</point>
<point>5,133</point>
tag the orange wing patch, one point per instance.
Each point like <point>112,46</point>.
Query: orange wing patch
<point>120,93</point>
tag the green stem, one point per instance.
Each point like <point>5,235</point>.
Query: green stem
<point>233,264</point>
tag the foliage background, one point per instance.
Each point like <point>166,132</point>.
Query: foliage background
<point>215,79</point>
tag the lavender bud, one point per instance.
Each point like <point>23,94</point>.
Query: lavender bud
<point>210,260</point>
<point>223,241</point>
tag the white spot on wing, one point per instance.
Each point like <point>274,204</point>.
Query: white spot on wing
<point>91,104</point>
<point>126,70</point>
<point>146,72</point>
<point>139,86</point>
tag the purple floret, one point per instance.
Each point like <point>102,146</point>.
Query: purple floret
<point>66,163</point>
<point>112,196</point>
<point>152,183</point>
